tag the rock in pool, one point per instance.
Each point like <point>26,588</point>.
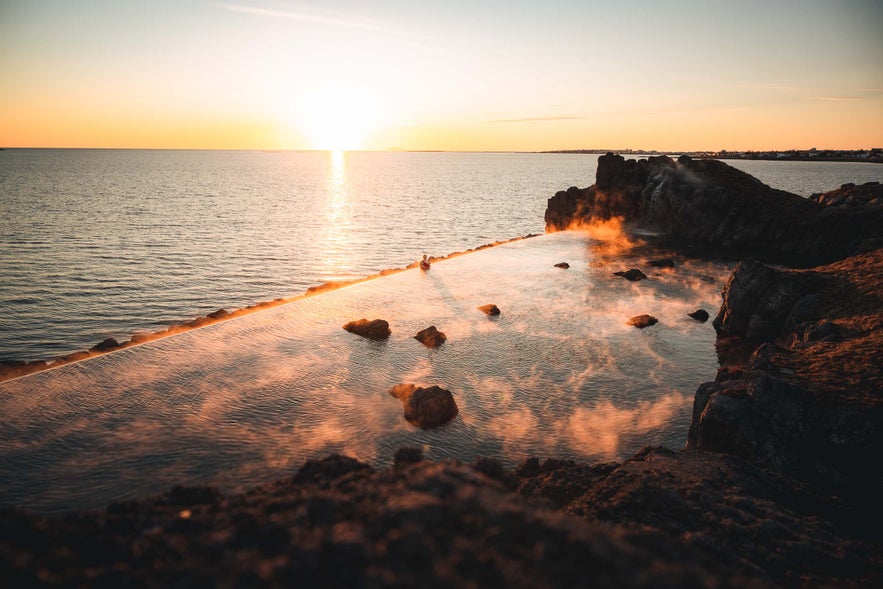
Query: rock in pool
<point>490,309</point>
<point>642,321</point>
<point>563,265</point>
<point>632,275</point>
<point>425,407</point>
<point>431,337</point>
<point>700,315</point>
<point>376,329</point>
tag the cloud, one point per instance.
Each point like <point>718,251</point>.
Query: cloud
<point>541,119</point>
<point>329,19</point>
<point>835,98</point>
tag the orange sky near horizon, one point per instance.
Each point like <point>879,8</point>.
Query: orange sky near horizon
<point>461,76</point>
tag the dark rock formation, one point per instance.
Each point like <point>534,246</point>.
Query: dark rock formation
<point>430,337</point>
<point>376,329</point>
<point>219,314</point>
<point>660,519</point>
<point>642,321</point>
<point>700,315</point>
<point>808,401</point>
<point>490,309</point>
<point>632,275</point>
<point>709,202</point>
<point>563,265</point>
<point>425,407</point>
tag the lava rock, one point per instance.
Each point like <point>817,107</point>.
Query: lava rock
<point>490,309</point>
<point>700,315</point>
<point>376,329</point>
<point>642,321</point>
<point>632,275</point>
<point>425,407</point>
<point>431,337</point>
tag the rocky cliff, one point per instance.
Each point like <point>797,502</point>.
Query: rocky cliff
<point>708,202</point>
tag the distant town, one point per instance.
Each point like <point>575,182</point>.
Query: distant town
<point>874,155</point>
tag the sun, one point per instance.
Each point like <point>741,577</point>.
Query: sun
<point>338,118</point>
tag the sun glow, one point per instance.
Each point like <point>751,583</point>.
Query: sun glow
<point>338,118</point>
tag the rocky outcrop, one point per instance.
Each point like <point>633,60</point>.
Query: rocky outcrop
<point>709,202</point>
<point>700,315</point>
<point>425,407</point>
<point>376,329</point>
<point>431,337</point>
<point>809,401</point>
<point>852,195</point>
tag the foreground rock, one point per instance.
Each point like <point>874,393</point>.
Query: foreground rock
<point>642,321</point>
<point>376,329</point>
<point>661,519</point>
<point>709,202</point>
<point>490,309</point>
<point>425,407</point>
<point>809,400</point>
<point>562,265</point>
<point>431,337</point>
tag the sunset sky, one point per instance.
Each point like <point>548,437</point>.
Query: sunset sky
<point>446,75</point>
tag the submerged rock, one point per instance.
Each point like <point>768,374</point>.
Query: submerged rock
<point>425,407</point>
<point>563,265</point>
<point>376,329</point>
<point>700,315</point>
<point>642,321</point>
<point>632,275</point>
<point>490,309</point>
<point>431,337</point>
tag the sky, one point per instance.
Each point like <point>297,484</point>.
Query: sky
<point>442,75</point>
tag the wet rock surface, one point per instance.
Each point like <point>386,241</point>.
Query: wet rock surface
<point>376,329</point>
<point>489,309</point>
<point>431,337</point>
<point>562,265</point>
<point>632,275</point>
<point>700,315</point>
<point>425,407</point>
<point>642,321</point>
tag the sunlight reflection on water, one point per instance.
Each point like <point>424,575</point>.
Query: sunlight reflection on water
<point>557,373</point>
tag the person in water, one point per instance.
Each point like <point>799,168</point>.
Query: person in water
<point>424,263</point>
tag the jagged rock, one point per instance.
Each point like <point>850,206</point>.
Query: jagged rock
<point>219,314</point>
<point>490,309</point>
<point>709,202</point>
<point>376,329</point>
<point>425,407</point>
<point>813,409</point>
<point>642,321</point>
<point>563,265</point>
<point>850,195</point>
<point>662,263</point>
<point>430,337</point>
<point>632,275</point>
<point>700,315</point>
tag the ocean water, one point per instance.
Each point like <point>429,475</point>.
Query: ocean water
<point>105,243</point>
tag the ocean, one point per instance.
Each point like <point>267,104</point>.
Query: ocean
<point>106,243</point>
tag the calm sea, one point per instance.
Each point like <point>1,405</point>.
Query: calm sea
<point>104,243</point>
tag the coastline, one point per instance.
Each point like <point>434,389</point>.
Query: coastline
<point>15,369</point>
